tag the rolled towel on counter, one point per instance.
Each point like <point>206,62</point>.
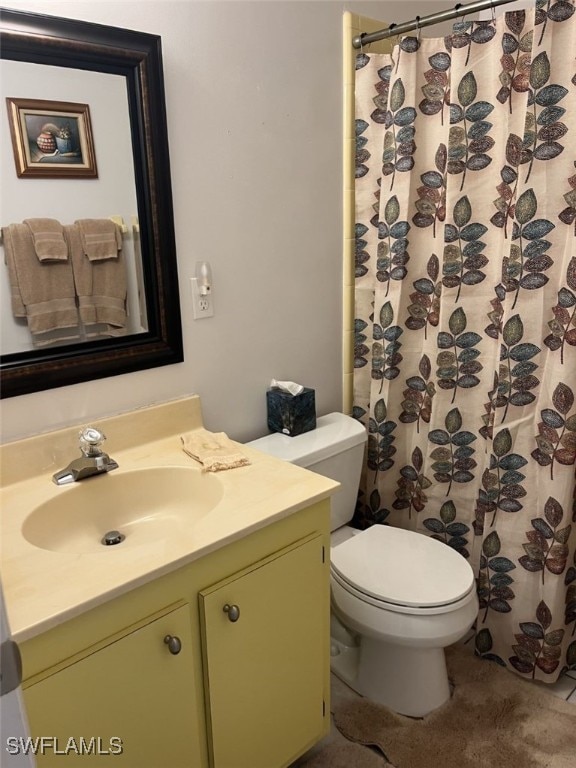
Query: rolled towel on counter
<point>214,450</point>
<point>101,238</point>
<point>48,239</point>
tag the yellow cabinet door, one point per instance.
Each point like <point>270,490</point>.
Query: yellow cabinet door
<point>265,644</point>
<point>129,704</point>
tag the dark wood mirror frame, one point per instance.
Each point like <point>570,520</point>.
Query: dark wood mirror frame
<point>137,56</point>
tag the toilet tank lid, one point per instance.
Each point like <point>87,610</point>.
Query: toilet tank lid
<point>334,433</point>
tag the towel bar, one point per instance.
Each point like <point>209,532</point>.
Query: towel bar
<point>120,221</point>
<point>116,219</point>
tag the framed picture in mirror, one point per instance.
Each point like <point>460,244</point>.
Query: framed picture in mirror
<point>51,138</point>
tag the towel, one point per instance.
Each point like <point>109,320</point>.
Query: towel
<point>214,450</point>
<point>101,238</point>
<point>101,288</point>
<point>41,291</point>
<point>48,239</point>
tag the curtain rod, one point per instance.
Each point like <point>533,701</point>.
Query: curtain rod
<point>426,21</point>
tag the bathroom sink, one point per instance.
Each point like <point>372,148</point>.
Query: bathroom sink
<point>143,506</point>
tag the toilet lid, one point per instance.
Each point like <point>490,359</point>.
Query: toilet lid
<point>402,567</point>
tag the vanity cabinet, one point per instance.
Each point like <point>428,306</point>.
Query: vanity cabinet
<point>248,685</point>
<point>263,645</point>
<point>130,699</point>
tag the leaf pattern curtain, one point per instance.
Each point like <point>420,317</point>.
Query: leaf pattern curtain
<point>465,324</point>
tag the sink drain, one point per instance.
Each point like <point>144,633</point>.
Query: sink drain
<point>113,537</point>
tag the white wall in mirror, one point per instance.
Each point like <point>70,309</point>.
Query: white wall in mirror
<point>113,193</point>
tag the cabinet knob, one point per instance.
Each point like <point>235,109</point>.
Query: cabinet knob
<point>233,612</point>
<point>174,644</point>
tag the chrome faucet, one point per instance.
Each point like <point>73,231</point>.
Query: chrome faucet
<point>92,462</point>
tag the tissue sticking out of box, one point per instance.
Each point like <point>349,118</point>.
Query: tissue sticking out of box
<point>287,386</point>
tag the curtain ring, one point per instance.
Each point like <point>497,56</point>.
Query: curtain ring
<point>457,8</point>
<point>493,12</point>
<point>362,43</point>
<point>419,28</point>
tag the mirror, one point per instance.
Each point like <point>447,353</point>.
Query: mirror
<point>47,44</point>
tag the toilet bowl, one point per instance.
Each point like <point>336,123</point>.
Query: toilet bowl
<point>398,597</point>
<point>407,597</point>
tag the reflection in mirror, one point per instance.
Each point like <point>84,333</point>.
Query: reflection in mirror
<point>71,198</point>
<point>95,245</point>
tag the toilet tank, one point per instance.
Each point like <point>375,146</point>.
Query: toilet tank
<point>334,449</point>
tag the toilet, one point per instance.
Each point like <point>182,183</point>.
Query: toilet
<point>398,597</point>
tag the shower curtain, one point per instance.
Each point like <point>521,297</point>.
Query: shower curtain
<point>465,314</point>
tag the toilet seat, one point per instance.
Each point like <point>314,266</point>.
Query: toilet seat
<point>402,571</point>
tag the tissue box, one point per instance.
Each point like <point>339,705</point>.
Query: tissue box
<point>291,414</point>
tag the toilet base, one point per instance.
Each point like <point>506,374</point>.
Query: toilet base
<point>407,680</point>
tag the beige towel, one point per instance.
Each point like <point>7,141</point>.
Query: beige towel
<point>214,450</point>
<point>101,238</point>
<point>101,288</point>
<point>43,292</point>
<point>48,238</point>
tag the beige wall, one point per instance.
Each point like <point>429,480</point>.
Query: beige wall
<point>254,101</point>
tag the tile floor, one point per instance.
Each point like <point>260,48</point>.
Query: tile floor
<point>564,688</point>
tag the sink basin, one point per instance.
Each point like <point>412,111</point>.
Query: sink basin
<point>144,506</point>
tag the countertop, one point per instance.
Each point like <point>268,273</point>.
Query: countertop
<point>43,588</point>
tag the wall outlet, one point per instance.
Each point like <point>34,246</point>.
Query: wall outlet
<point>202,306</point>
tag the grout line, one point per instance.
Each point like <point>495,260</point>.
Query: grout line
<point>571,694</point>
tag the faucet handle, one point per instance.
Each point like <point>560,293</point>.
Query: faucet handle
<point>90,441</point>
